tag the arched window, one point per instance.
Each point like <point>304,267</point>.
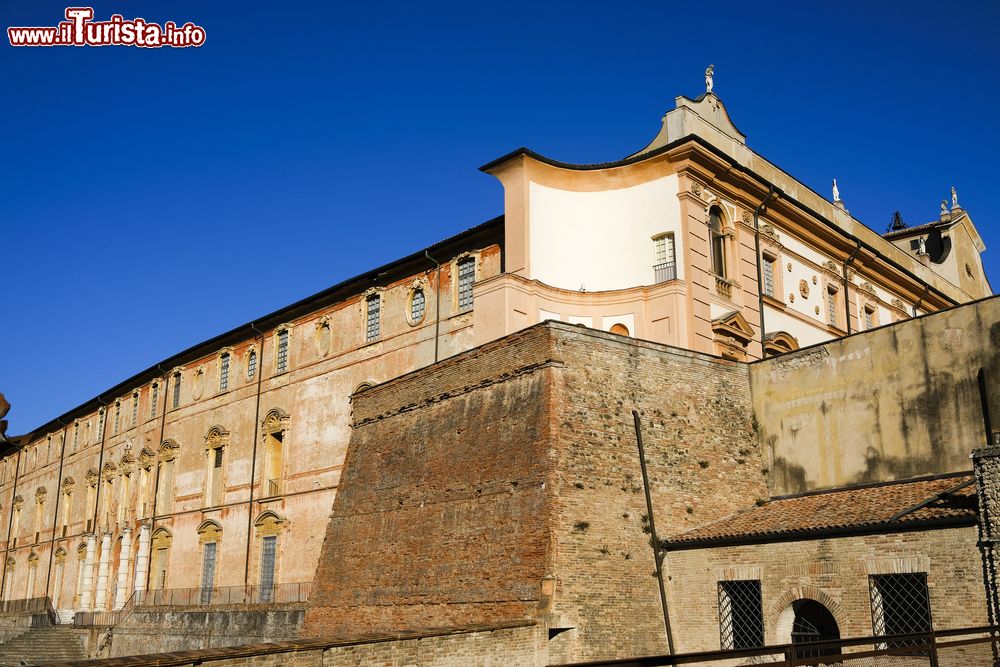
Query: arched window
<point>251,364</point>
<point>224,371</point>
<point>619,328</point>
<point>165,483</point>
<point>417,305</point>
<point>67,505</point>
<point>269,526</point>
<point>32,575</point>
<point>215,445</point>
<point>717,239</point>
<point>177,389</point>
<point>210,538</point>
<point>274,429</point>
<point>161,558</point>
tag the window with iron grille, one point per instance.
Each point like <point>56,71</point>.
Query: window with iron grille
<point>267,553</point>
<point>741,614</point>
<point>118,416</point>
<point>282,351</point>
<point>100,425</point>
<point>664,259</point>
<point>208,572</point>
<point>466,276</point>
<point>251,364</point>
<point>154,397</point>
<point>224,371</point>
<point>768,271</point>
<point>177,389</point>
<point>417,302</point>
<point>868,318</point>
<point>372,317</point>
<point>900,606</point>
<point>135,409</point>
<point>76,435</point>
<point>831,306</point>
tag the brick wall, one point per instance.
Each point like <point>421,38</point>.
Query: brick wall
<point>505,483</point>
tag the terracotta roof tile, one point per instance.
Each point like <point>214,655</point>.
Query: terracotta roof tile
<point>858,507</point>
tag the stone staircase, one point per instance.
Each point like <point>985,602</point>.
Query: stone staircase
<point>52,643</point>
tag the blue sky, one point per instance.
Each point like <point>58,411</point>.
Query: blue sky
<point>151,199</point>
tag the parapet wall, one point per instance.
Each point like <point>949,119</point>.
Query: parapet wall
<point>894,402</point>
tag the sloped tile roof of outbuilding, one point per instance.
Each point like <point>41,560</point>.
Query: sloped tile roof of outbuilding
<point>950,499</point>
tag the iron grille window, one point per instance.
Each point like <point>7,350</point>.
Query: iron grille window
<point>868,319</point>
<point>76,435</point>
<point>135,409</point>
<point>224,372</point>
<point>417,306</point>
<point>768,268</point>
<point>208,573</point>
<point>664,259</point>
<point>100,425</point>
<point>118,416</point>
<point>283,350</point>
<point>154,397</point>
<point>900,606</point>
<point>466,276</point>
<point>177,390</point>
<point>831,307</point>
<point>741,615</point>
<point>252,364</point>
<point>372,317</point>
<point>267,554</point>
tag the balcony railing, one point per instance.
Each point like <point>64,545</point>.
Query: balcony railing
<point>723,287</point>
<point>665,271</point>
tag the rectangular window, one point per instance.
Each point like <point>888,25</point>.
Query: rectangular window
<point>868,318</point>
<point>100,425</point>
<point>215,486</point>
<point>373,324</point>
<point>177,390</point>
<point>154,396</point>
<point>283,350</point>
<point>135,409</point>
<point>664,259</point>
<point>76,435</point>
<point>466,276</point>
<point>224,372</point>
<point>831,307</point>
<point>768,272</point>
<point>900,605</point>
<point>741,614</point>
<point>208,572</point>
<point>267,553</point>
<point>118,417</point>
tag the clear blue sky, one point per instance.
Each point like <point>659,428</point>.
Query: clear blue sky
<point>151,199</point>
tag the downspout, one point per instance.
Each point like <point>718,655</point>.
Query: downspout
<point>10,521</point>
<point>760,284</point>
<point>847,296</point>
<point>100,464</point>
<point>55,513</point>
<point>437,305</point>
<point>657,556</point>
<point>920,301</point>
<point>156,478</point>
<point>253,456</point>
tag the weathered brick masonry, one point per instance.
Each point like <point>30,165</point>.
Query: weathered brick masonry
<point>504,483</point>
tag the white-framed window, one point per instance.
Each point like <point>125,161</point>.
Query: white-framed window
<point>664,258</point>
<point>767,272</point>
<point>466,278</point>
<point>418,303</point>
<point>373,317</point>
<point>871,320</point>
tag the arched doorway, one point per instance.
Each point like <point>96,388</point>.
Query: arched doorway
<point>812,622</point>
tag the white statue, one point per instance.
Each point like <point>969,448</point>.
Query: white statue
<point>923,247</point>
<point>709,74</point>
<point>944,207</point>
<point>954,198</point>
<point>836,191</point>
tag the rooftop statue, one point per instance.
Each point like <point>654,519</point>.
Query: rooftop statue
<point>709,74</point>
<point>4,409</point>
<point>836,191</point>
<point>954,198</point>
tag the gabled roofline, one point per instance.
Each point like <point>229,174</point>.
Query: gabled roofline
<point>491,231</point>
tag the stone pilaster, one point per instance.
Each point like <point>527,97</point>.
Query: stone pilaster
<point>986,464</point>
<point>142,559</point>
<point>124,561</point>
<point>87,588</point>
<point>104,564</point>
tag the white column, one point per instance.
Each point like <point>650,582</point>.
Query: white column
<point>124,560</point>
<point>101,599</point>
<point>87,592</point>
<point>142,559</point>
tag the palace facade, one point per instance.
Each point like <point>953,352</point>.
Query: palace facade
<point>218,467</point>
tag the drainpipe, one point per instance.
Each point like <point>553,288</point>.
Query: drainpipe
<point>760,285</point>
<point>920,301</point>
<point>657,557</point>
<point>55,512</point>
<point>253,456</point>
<point>847,301</point>
<point>10,521</point>
<point>156,478</point>
<point>437,306</point>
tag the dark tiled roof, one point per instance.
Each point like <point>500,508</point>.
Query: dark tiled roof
<point>889,506</point>
<point>920,229</point>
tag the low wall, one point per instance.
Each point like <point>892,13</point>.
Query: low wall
<point>174,629</point>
